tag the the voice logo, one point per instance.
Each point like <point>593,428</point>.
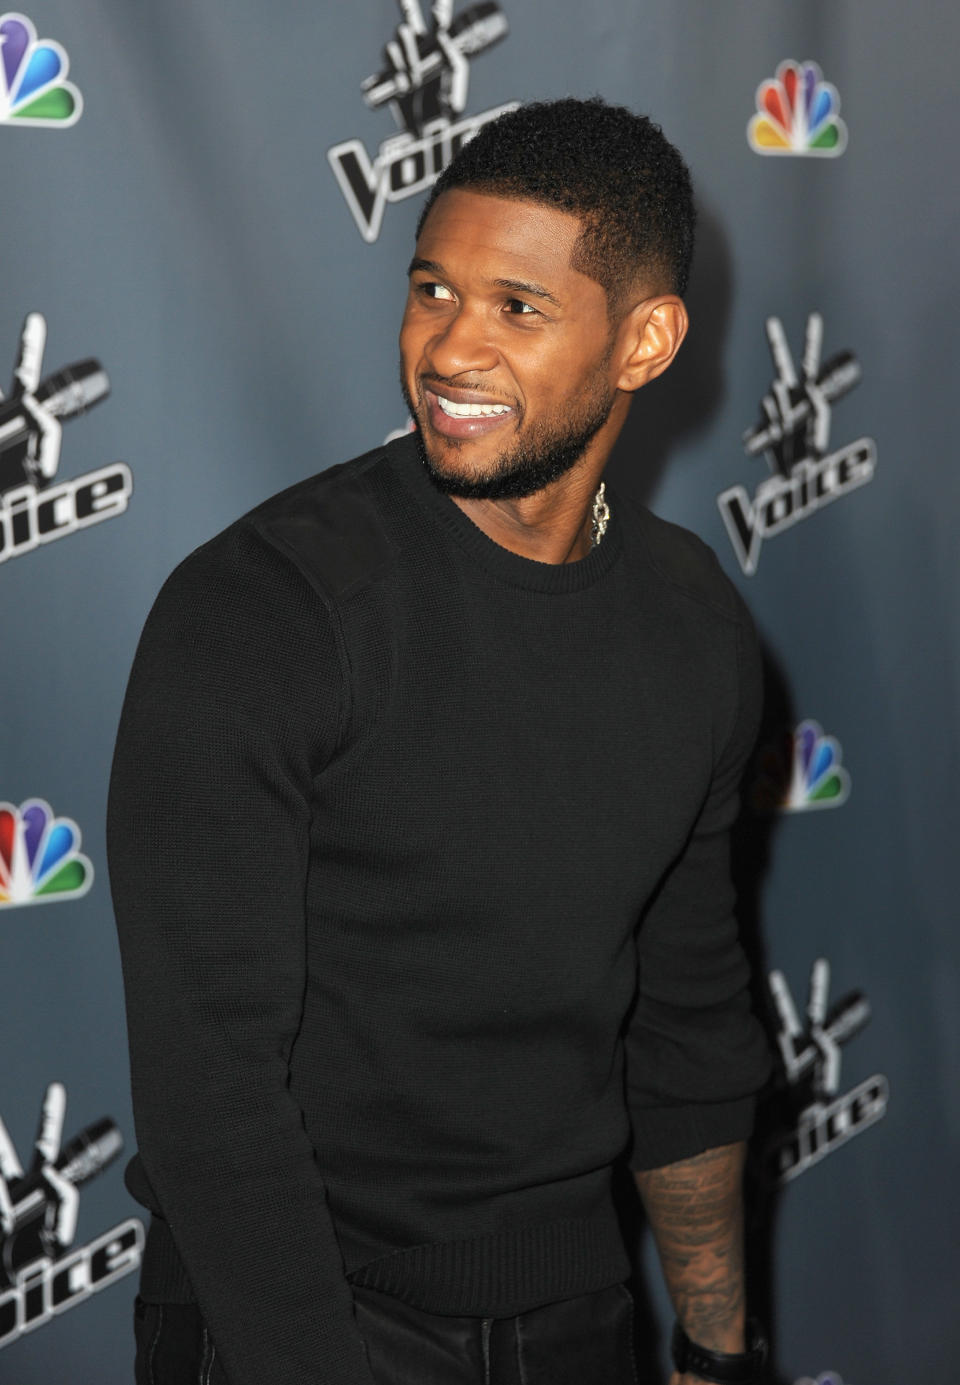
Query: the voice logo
<point>424,79</point>
<point>793,435</point>
<point>35,506</point>
<point>822,1118</point>
<point>41,1272</point>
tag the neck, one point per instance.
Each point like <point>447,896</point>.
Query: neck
<point>555,524</point>
<point>546,527</point>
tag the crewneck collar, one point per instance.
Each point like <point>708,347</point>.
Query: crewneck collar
<point>506,566</point>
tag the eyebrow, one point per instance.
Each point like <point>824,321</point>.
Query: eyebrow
<point>528,286</point>
<point>430,266</point>
<point>517,285</point>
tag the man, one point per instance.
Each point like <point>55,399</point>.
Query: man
<point>419,843</point>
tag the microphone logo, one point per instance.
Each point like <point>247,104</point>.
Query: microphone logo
<point>814,1117</point>
<point>36,507</point>
<point>792,434</point>
<point>42,1272</point>
<point>423,80</point>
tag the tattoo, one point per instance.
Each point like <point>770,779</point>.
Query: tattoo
<point>695,1211</point>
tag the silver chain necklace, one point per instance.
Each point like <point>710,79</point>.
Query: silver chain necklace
<point>600,516</point>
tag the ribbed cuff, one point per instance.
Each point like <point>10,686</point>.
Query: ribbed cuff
<point>664,1134</point>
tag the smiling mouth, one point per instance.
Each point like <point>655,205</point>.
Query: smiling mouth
<point>464,418</point>
<point>455,410</point>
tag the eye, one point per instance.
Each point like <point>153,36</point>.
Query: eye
<point>518,308</point>
<point>433,290</point>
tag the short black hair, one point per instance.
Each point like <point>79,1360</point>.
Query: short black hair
<point>614,169</point>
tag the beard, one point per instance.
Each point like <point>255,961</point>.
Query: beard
<point>533,462</point>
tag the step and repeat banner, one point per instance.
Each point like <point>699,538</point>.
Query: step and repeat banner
<point>208,209</point>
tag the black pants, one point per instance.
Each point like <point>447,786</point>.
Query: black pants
<point>581,1341</point>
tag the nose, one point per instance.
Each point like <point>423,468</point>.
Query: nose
<point>464,345</point>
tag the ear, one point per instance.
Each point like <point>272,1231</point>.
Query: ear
<point>650,336</point>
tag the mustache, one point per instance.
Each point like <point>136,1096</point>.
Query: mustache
<point>435,382</point>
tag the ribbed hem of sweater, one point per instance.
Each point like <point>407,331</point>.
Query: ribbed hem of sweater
<point>162,1276</point>
<point>489,1276</point>
<point>503,1274</point>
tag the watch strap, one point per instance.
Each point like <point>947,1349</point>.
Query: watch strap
<point>724,1367</point>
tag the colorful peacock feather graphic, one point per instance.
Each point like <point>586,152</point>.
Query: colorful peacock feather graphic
<point>33,85</point>
<point>797,113</point>
<point>40,858</point>
<point>804,771</point>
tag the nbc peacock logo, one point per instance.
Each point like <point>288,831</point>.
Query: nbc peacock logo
<point>801,773</point>
<point>40,857</point>
<point>33,85</point>
<point>797,113</point>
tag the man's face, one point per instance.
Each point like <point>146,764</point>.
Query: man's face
<point>506,351</point>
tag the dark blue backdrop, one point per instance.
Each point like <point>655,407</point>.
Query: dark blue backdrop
<point>175,216</point>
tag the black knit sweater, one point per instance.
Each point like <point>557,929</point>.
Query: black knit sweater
<point>419,857</point>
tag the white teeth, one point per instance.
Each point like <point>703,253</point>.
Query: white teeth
<point>471,410</point>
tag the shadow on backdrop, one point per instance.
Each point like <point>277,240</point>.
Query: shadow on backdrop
<point>673,410</point>
<point>666,415</point>
<point>751,859</point>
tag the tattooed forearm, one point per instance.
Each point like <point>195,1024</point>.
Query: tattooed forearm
<point>695,1210</point>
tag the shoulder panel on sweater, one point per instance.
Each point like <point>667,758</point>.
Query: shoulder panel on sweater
<point>329,527</point>
<point>686,562</point>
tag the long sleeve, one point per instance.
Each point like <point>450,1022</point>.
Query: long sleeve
<point>695,1054</point>
<point>235,702</point>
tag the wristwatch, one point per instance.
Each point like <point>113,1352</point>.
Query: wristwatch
<point>725,1367</point>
